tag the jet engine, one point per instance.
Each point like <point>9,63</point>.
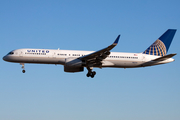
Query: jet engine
<point>73,65</point>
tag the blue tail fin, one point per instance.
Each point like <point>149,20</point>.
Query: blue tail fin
<point>160,46</point>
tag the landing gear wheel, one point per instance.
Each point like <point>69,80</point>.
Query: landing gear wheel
<point>88,74</point>
<point>23,71</point>
<point>92,74</point>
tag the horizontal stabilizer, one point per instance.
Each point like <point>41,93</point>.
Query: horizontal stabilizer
<point>164,57</point>
<point>157,60</point>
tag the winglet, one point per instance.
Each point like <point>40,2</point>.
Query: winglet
<point>116,41</point>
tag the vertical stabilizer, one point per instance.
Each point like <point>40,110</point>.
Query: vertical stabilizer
<point>161,45</point>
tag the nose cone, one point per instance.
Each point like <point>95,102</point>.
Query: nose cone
<point>6,58</point>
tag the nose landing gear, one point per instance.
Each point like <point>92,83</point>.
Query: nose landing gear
<point>23,71</point>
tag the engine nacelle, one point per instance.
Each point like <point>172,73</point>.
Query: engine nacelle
<point>73,69</point>
<point>73,65</point>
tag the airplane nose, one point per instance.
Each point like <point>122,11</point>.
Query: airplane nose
<point>5,58</point>
<point>8,58</point>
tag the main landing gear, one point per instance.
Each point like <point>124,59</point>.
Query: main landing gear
<point>23,71</point>
<point>90,72</point>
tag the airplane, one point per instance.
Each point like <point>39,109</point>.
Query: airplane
<point>76,61</point>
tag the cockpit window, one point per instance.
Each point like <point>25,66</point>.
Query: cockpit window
<point>10,53</point>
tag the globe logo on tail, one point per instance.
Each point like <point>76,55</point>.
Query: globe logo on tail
<point>157,48</point>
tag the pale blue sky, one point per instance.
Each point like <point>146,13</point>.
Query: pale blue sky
<point>45,92</point>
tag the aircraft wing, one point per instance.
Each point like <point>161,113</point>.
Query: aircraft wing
<point>95,58</point>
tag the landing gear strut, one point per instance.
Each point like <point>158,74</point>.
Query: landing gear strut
<point>90,72</point>
<point>23,71</point>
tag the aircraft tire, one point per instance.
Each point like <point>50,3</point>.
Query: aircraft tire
<point>23,71</point>
<point>88,75</point>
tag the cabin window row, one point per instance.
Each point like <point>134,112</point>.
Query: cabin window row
<point>62,54</point>
<point>109,56</point>
<point>123,57</point>
<point>70,54</point>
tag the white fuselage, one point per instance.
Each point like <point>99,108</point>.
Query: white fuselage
<point>50,56</point>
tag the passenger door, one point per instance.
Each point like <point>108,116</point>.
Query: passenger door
<point>54,55</point>
<point>21,54</point>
